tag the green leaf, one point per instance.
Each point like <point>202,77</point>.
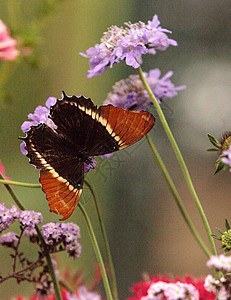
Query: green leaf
<point>219,166</point>
<point>221,231</point>
<point>212,150</point>
<point>214,141</point>
<point>226,250</point>
<point>227,224</point>
<point>216,237</point>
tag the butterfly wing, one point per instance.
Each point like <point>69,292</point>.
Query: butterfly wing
<point>121,128</point>
<point>62,171</point>
<point>99,131</point>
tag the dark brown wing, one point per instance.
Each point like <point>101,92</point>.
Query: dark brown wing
<point>99,131</point>
<point>61,173</point>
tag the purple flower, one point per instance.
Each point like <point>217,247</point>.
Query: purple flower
<point>40,115</point>
<point>128,44</point>
<point>7,216</point>
<point>226,157</point>
<point>30,218</point>
<point>66,233</point>
<point>9,239</point>
<point>130,93</point>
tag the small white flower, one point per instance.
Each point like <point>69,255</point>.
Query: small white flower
<point>210,283</point>
<point>220,262</point>
<point>223,294</point>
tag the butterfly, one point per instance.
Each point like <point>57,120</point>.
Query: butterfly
<point>83,130</point>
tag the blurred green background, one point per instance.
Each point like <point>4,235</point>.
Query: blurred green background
<point>145,229</point>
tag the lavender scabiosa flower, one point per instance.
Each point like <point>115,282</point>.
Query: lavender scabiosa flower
<point>40,115</point>
<point>66,234</point>
<point>130,93</point>
<point>7,216</point>
<point>128,44</point>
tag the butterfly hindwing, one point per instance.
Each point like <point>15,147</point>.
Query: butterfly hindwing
<point>61,172</point>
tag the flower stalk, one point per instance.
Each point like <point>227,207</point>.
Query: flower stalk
<point>181,162</point>
<point>112,276</point>
<point>97,252</point>
<point>22,184</point>
<point>177,197</point>
<point>48,258</point>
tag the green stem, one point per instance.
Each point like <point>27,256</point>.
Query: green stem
<point>181,161</point>
<point>22,184</point>
<point>177,197</point>
<point>97,252</point>
<point>48,258</point>
<point>112,276</point>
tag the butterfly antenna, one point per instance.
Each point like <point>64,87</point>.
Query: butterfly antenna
<point>64,95</point>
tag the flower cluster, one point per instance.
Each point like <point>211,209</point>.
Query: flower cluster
<point>222,285</point>
<point>62,235</point>
<point>41,115</point>
<point>130,93</point>
<point>66,234</point>
<point>128,44</point>
<point>160,287</point>
<point>7,216</point>
<point>221,262</point>
<point>30,218</point>
<point>7,44</point>
<point>172,291</point>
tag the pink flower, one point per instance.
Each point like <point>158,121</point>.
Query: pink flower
<point>2,171</point>
<point>7,44</point>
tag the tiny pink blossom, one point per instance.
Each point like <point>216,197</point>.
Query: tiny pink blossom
<point>7,44</point>
<point>2,171</point>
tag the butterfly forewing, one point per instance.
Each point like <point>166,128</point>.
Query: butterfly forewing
<point>99,131</point>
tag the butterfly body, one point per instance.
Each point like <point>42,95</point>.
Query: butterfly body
<point>82,130</point>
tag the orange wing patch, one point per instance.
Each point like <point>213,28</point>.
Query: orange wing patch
<point>61,195</point>
<point>126,127</point>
